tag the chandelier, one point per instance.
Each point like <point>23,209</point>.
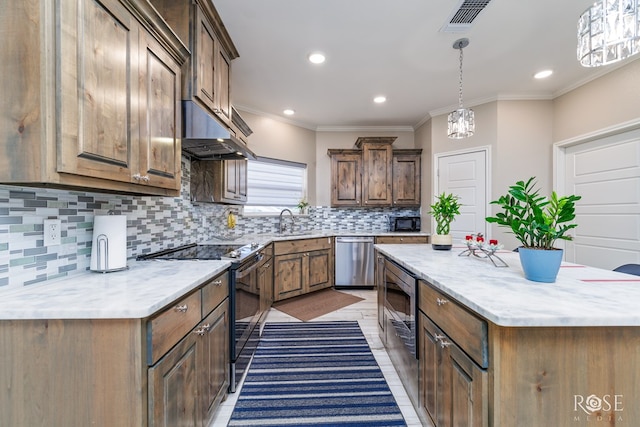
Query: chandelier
<point>608,32</point>
<point>460,123</point>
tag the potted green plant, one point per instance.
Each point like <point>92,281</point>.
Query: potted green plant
<point>444,211</point>
<point>303,206</point>
<point>537,222</point>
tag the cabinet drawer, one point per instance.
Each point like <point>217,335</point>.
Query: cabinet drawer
<point>467,330</point>
<point>301,245</point>
<point>214,292</point>
<point>402,239</point>
<point>168,327</point>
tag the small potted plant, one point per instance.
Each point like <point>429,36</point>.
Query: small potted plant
<point>537,222</point>
<point>444,211</point>
<point>303,206</point>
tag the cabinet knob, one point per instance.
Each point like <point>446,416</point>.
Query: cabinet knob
<point>218,282</point>
<point>444,344</point>
<point>202,329</point>
<point>181,308</point>
<point>441,301</point>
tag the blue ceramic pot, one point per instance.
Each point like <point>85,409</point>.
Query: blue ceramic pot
<point>540,265</point>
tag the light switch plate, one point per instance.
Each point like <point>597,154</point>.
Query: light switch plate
<point>52,232</point>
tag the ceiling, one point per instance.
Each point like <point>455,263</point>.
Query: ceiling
<point>396,48</point>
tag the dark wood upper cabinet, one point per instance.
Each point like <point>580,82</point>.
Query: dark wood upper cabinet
<point>375,174</point>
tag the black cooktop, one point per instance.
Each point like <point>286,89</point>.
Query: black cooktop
<point>193,251</point>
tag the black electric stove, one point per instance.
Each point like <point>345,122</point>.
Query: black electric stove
<point>246,307</point>
<point>204,252</point>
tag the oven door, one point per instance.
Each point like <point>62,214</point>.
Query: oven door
<point>245,315</point>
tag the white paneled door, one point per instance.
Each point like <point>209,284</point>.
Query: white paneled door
<point>465,175</point>
<point>606,173</point>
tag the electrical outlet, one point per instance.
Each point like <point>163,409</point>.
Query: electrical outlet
<point>52,232</point>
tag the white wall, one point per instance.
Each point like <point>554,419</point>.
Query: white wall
<point>275,139</point>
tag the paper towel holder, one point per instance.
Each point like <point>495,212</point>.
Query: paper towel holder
<point>106,259</point>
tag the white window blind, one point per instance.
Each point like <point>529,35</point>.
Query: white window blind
<point>274,183</point>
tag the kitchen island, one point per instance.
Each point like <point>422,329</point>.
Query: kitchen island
<point>498,350</point>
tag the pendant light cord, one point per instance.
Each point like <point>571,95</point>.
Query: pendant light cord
<point>460,85</point>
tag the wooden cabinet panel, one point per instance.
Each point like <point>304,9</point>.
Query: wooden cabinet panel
<point>288,276</point>
<point>213,371</point>
<point>205,54</point>
<point>407,173</point>
<point>465,328</point>
<point>219,181</point>
<point>453,389</point>
<point>173,385</point>
<point>346,178</point>
<point>375,175</point>
<point>320,267</point>
<point>105,107</point>
<point>160,117</point>
<point>169,326</point>
<point>376,179</point>
<point>302,266</point>
<point>98,68</point>
<point>214,292</point>
<point>207,76</point>
<point>401,239</point>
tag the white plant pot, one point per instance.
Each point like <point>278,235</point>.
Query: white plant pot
<point>441,242</point>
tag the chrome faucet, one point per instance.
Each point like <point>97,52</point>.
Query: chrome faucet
<point>281,226</point>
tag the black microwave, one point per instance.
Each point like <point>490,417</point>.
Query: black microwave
<point>404,223</point>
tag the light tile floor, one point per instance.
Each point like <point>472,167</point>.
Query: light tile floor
<point>365,312</point>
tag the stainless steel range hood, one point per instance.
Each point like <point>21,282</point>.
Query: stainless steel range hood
<point>203,137</point>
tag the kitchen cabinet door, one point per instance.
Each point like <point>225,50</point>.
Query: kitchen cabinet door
<point>320,268</point>
<point>406,177</point>
<point>377,174</point>
<point>219,181</point>
<point>98,88</point>
<point>213,370</point>
<point>204,82</point>
<point>173,386</point>
<point>346,177</point>
<point>453,389</point>
<point>288,275</point>
<point>159,154</point>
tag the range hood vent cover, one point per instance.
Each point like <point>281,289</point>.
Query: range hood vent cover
<point>205,138</point>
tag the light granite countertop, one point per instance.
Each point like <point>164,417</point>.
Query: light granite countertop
<point>138,292</point>
<point>581,296</point>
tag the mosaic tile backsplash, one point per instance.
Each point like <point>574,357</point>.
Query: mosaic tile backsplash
<point>153,223</point>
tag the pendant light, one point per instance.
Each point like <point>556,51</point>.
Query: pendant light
<point>460,123</point>
<point>608,32</point>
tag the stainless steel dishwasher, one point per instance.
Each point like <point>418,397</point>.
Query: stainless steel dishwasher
<point>354,261</point>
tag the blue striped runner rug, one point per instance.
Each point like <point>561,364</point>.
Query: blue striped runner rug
<point>315,374</point>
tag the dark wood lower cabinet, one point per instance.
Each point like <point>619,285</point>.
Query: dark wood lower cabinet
<point>453,389</point>
<point>302,266</point>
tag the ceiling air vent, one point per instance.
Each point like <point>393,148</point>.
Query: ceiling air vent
<point>463,15</point>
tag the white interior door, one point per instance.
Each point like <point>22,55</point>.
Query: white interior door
<point>606,173</point>
<point>465,175</point>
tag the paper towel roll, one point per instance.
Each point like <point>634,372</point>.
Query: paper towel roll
<point>109,245</point>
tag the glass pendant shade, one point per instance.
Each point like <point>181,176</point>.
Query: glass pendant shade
<point>461,123</point>
<point>608,32</point>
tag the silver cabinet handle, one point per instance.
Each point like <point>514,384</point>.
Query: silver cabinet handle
<point>218,282</point>
<point>181,308</point>
<point>444,344</point>
<point>438,337</point>
<point>441,301</point>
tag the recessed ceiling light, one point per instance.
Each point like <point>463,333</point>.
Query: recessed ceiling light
<point>380,99</point>
<point>289,112</point>
<point>316,58</point>
<point>543,74</point>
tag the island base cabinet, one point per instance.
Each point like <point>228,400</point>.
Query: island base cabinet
<point>453,389</point>
<point>565,377</point>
